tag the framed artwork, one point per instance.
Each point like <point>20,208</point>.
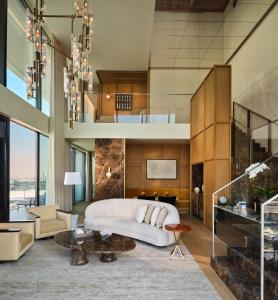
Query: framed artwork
<point>123,102</point>
<point>161,169</point>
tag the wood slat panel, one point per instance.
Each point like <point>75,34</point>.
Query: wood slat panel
<point>197,149</point>
<point>222,140</point>
<point>209,143</point>
<point>197,111</point>
<point>210,99</point>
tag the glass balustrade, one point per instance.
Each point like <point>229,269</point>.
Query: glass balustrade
<point>245,232</point>
<point>136,108</point>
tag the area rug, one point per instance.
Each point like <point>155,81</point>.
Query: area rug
<point>146,272</point>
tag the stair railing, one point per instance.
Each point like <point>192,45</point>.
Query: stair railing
<point>239,217</point>
<point>254,125</point>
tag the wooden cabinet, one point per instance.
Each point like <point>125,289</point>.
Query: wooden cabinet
<point>211,133</point>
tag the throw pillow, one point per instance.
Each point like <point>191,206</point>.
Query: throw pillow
<point>161,217</point>
<point>141,212</point>
<point>149,213</point>
<point>155,215</point>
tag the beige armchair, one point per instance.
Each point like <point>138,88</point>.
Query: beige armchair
<point>15,239</point>
<point>49,220</point>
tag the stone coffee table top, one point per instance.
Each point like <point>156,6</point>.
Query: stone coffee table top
<point>94,244</point>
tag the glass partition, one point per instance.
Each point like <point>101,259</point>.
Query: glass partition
<point>255,138</point>
<point>240,222</point>
<point>269,248</point>
<point>137,108</point>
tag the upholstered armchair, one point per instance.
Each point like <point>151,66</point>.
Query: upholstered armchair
<point>15,239</point>
<point>49,220</point>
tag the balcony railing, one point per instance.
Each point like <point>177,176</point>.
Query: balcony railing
<point>142,108</point>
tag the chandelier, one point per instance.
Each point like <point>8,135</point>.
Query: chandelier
<point>78,74</point>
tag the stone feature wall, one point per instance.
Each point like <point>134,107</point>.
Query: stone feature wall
<point>109,153</point>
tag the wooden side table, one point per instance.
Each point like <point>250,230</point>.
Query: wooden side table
<point>177,229</point>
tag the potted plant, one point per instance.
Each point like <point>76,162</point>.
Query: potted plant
<point>261,195</point>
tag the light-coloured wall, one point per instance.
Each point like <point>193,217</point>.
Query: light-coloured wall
<point>255,69</point>
<point>128,131</point>
<point>172,89</point>
<point>20,111</point>
<point>239,20</point>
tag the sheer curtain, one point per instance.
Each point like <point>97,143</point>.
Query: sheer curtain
<point>59,147</point>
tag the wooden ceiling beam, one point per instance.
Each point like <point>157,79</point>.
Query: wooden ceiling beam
<point>122,77</point>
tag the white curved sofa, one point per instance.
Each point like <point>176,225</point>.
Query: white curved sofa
<point>119,215</point>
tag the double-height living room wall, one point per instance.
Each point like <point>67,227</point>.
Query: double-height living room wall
<point>137,154</point>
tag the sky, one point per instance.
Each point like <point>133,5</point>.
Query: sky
<point>23,140</point>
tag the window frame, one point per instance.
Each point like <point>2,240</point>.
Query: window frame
<point>37,160</point>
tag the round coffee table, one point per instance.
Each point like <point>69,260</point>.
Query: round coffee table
<point>177,229</point>
<point>82,247</point>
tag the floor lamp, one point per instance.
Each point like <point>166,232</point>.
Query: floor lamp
<point>73,178</point>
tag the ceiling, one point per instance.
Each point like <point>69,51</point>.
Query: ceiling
<point>122,31</point>
<point>201,38</point>
<point>191,40</point>
<point>191,5</point>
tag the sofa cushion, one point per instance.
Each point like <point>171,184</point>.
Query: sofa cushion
<point>161,217</point>
<point>131,228</point>
<point>141,212</point>
<point>149,213</point>
<point>155,215</point>
<point>52,225</point>
<point>25,239</point>
<point>47,212</point>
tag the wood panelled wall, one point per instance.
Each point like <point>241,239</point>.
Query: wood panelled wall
<point>139,102</point>
<point>211,133</point>
<point>135,177</point>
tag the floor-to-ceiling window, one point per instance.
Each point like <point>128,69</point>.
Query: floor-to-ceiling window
<point>43,168</point>
<point>29,162</point>
<point>79,165</point>
<point>23,166</point>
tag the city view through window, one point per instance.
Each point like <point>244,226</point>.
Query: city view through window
<point>23,167</point>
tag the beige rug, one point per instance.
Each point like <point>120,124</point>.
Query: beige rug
<point>144,273</point>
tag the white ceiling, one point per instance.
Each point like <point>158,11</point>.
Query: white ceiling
<point>122,28</point>
<point>200,40</point>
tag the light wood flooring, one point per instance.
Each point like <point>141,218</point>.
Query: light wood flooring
<point>198,242</point>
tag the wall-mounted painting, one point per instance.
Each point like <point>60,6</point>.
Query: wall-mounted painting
<point>161,169</point>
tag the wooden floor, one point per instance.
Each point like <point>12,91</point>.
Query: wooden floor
<point>198,242</point>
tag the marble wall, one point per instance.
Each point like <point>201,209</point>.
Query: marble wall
<point>109,153</point>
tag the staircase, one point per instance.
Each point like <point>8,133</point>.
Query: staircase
<point>246,148</point>
<point>240,270</point>
<point>252,142</point>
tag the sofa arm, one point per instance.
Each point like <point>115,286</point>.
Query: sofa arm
<point>9,244</point>
<point>24,226</point>
<point>64,216</point>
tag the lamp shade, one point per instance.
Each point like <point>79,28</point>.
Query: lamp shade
<point>72,178</point>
